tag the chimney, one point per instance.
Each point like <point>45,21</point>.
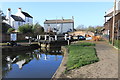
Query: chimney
<point>105,17</point>
<point>9,9</point>
<point>19,9</point>
<point>73,18</point>
<point>8,15</point>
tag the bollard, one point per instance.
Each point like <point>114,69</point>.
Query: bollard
<point>68,42</point>
<point>55,37</point>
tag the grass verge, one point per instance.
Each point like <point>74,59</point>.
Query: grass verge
<point>79,55</point>
<point>116,43</point>
<point>84,44</point>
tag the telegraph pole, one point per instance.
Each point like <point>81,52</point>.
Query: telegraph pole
<point>62,25</point>
<point>113,27</point>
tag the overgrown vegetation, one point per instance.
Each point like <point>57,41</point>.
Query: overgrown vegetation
<point>26,28</point>
<point>79,55</point>
<point>10,30</point>
<point>38,29</point>
<point>35,29</point>
<point>116,43</point>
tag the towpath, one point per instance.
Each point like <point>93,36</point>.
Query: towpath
<point>107,67</point>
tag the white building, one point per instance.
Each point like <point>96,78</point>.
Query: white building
<point>59,25</point>
<point>20,18</point>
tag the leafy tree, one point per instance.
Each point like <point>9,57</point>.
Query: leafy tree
<point>94,29</point>
<point>10,30</point>
<point>26,28</point>
<point>38,29</point>
<point>98,29</point>
<point>91,28</point>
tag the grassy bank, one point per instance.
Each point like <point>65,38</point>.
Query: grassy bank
<point>116,43</point>
<point>80,55</point>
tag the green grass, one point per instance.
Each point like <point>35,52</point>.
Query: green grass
<point>80,56</point>
<point>84,44</point>
<point>116,43</point>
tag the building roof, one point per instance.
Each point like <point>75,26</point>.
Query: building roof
<point>27,15</point>
<point>3,18</point>
<point>110,11</point>
<point>17,18</point>
<point>59,21</point>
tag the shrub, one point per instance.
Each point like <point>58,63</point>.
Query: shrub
<point>26,28</point>
<point>10,30</point>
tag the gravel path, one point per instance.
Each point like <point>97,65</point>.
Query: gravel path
<point>107,67</point>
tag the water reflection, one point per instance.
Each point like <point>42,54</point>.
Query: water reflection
<point>40,62</point>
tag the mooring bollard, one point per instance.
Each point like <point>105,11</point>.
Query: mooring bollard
<point>68,42</point>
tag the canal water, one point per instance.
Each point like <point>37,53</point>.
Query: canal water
<point>38,63</point>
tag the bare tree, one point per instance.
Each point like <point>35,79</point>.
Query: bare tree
<point>81,27</point>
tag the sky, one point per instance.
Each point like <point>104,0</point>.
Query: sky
<point>85,13</point>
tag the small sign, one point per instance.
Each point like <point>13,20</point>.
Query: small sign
<point>13,37</point>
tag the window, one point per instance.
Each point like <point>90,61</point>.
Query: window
<point>13,24</point>
<point>28,19</point>
<point>18,23</point>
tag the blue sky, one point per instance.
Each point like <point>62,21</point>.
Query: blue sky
<point>86,13</point>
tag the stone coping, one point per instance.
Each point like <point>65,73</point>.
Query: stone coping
<point>62,66</point>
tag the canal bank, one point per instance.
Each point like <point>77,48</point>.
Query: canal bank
<point>108,57</point>
<point>62,67</point>
<point>26,47</point>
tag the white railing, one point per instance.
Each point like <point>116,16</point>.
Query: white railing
<point>53,37</point>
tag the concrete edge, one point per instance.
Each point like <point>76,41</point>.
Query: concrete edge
<point>62,66</point>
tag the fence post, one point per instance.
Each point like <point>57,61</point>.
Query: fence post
<point>45,37</point>
<point>65,37</point>
<point>39,37</point>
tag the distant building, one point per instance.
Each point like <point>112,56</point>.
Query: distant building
<point>20,18</point>
<point>82,33</point>
<point>59,26</point>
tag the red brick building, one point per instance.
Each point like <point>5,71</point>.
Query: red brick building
<point>108,25</point>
